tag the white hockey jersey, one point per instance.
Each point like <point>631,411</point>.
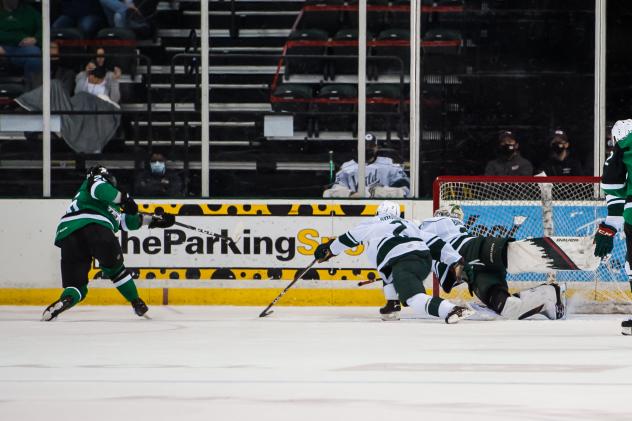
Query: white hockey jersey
<point>453,232</point>
<point>386,237</point>
<point>381,172</point>
<point>450,230</point>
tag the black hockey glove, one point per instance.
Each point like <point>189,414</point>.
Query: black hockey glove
<point>163,220</point>
<point>458,273</point>
<point>127,203</point>
<point>323,252</point>
<point>604,240</point>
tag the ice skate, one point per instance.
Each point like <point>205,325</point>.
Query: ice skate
<point>458,313</point>
<point>391,310</point>
<point>140,308</point>
<point>53,310</point>
<point>626,327</point>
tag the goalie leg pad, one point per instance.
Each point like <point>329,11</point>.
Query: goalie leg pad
<point>548,254</point>
<point>541,299</point>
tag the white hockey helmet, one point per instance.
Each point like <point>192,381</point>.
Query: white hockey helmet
<point>621,129</point>
<point>452,211</point>
<point>388,208</point>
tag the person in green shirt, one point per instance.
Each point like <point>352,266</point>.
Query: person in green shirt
<point>20,37</point>
<point>87,231</point>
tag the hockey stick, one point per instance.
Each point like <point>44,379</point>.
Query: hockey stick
<point>206,232</point>
<point>372,279</point>
<point>265,312</point>
<point>191,227</point>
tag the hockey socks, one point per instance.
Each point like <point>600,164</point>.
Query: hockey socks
<point>123,281</point>
<point>424,304</point>
<point>128,289</point>
<point>75,294</point>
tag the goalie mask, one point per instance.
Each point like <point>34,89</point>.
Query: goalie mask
<point>621,129</point>
<point>100,171</point>
<point>451,211</point>
<point>388,208</point>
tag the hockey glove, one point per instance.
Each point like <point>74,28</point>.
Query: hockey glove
<point>604,240</point>
<point>128,205</point>
<point>323,252</point>
<point>163,220</point>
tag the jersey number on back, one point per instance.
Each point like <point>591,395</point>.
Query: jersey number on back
<point>399,229</point>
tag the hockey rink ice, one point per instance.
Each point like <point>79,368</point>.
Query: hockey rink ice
<point>302,363</point>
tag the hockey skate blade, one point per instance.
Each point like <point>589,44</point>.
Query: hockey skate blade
<point>391,317</point>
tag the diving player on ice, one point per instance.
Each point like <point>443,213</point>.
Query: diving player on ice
<point>491,258</point>
<point>87,230</point>
<point>403,256</point>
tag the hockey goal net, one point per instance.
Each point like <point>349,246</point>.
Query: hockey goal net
<point>529,207</point>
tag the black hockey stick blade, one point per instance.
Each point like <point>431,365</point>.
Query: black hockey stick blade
<point>298,276</point>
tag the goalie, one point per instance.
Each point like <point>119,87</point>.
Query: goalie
<point>615,182</point>
<point>86,231</point>
<point>491,258</point>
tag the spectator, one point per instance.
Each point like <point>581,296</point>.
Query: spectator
<point>509,161</point>
<point>560,161</point>
<point>158,181</point>
<point>116,11</point>
<point>64,74</point>
<point>87,15</point>
<point>98,81</point>
<point>383,178</point>
<point>20,34</point>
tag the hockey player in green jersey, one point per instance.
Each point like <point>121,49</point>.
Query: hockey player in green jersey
<point>616,183</point>
<point>402,253</point>
<point>87,230</point>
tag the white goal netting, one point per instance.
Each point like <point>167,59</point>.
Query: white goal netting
<point>524,207</point>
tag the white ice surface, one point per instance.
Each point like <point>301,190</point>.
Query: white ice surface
<point>303,364</point>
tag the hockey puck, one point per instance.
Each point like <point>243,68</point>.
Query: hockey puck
<point>626,327</point>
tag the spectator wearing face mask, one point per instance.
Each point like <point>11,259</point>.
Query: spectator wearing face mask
<point>509,161</point>
<point>560,161</point>
<point>158,181</point>
<point>96,80</point>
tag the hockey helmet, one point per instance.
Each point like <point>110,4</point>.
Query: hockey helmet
<point>100,171</point>
<point>388,208</point>
<point>621,129</point>
<point>452,211</point>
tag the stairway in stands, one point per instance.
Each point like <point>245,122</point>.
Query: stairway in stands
<point>242,66</point>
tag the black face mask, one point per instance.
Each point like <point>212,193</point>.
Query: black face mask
<point>557,147</point>
<point>506,150</point>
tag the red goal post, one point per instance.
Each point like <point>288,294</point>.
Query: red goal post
<point>523,207</point>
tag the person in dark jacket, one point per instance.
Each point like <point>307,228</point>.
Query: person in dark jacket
<point>159,181</point>
<point>86,15</point>
<point>20,37</point>
<point>509,161</point>
<point>560,161</point>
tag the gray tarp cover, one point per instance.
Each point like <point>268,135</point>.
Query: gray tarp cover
<point>83,133</point>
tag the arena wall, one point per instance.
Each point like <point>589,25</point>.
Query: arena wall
<point>273,240</point>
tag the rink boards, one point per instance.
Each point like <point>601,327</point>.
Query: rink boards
<point>273,239</point>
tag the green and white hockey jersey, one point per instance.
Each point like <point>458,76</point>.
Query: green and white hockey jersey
<point>386,237</point>
<point>616,183</point>
<point>96,203</point>
<point>450,230</point>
